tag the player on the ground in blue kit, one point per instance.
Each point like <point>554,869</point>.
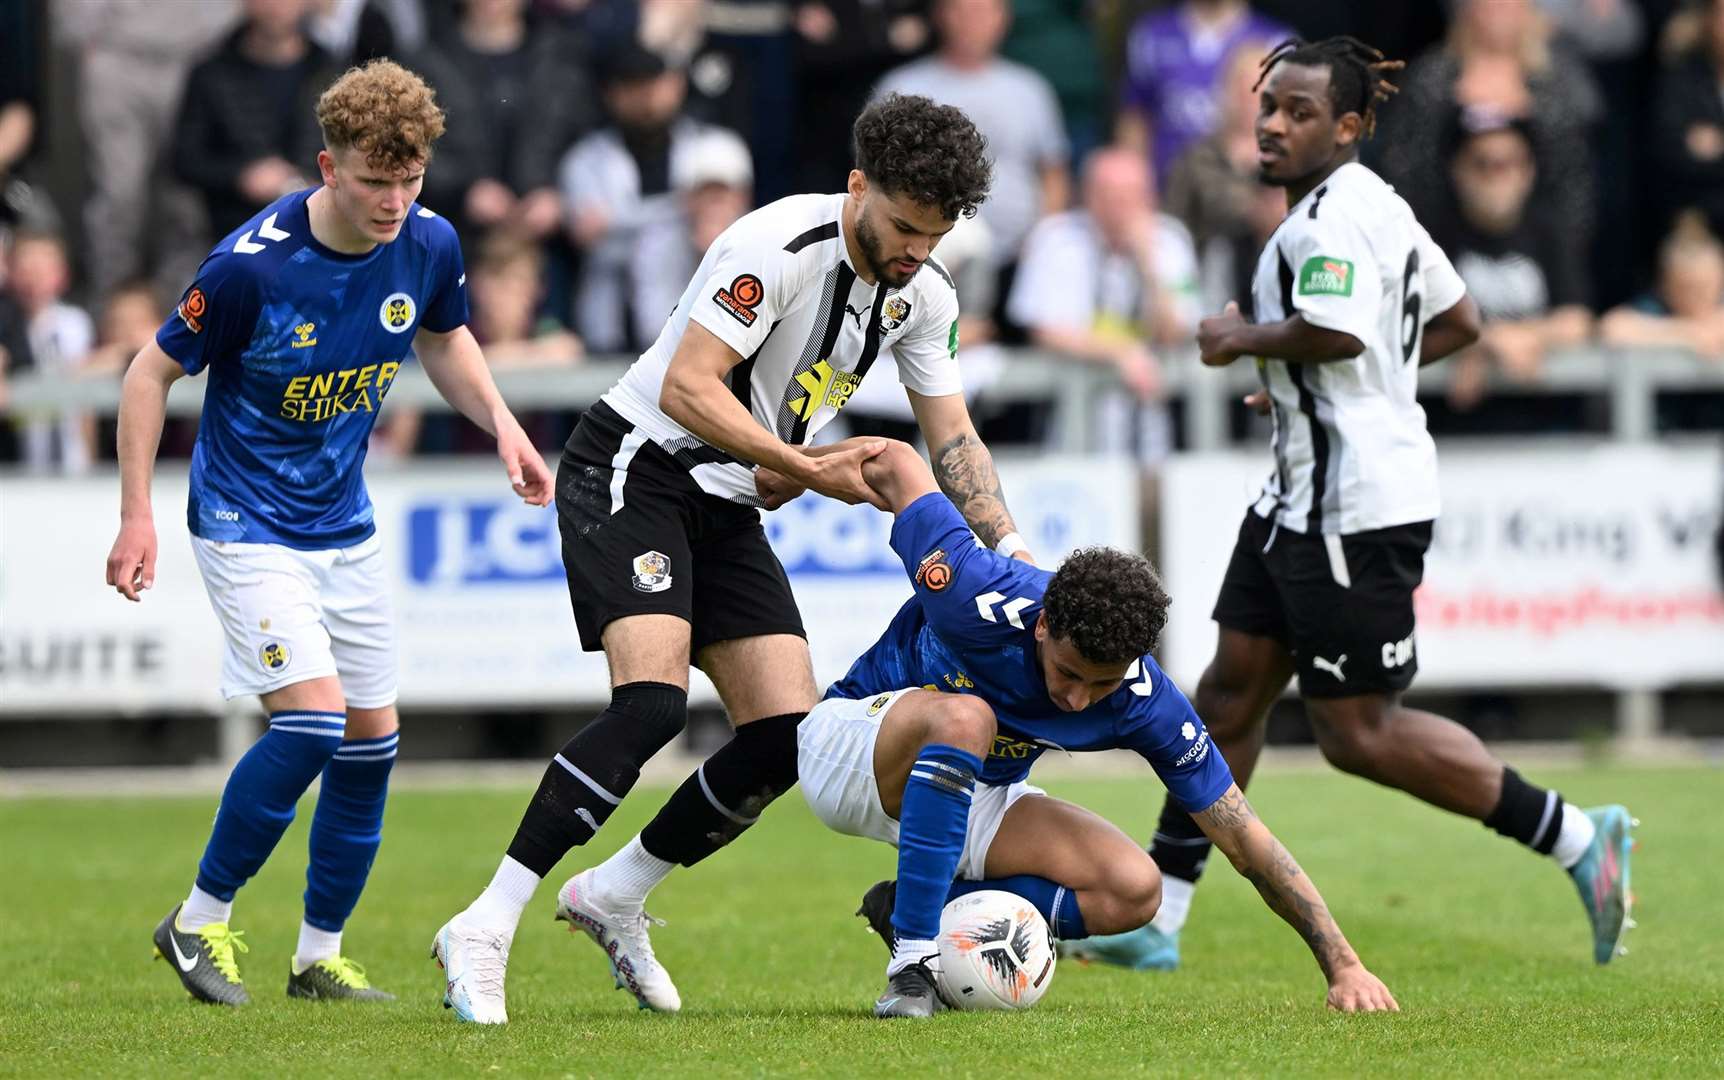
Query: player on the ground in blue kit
<point>927,742</point>
<point>303,317</point>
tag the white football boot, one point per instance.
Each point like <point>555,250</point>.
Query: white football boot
<point>621,931</point>
<point>474,961</point>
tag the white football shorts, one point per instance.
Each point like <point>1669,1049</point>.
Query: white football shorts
<point>835,762</point>
<point>291,615</point>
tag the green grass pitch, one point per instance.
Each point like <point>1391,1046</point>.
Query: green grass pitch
<point>1484,944</point>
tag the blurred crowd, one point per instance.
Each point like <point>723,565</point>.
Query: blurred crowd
<point>1567,154</point>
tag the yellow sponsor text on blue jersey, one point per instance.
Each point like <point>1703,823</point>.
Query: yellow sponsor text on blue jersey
<point>312,399</point>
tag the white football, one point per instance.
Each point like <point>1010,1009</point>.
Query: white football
<point>995,952</point>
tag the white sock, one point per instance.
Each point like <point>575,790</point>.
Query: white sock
<point>1574,837</point>
<point>315,945</point>
<point>201,909</point>
<point>628,876</point>
<point>499,907</point>
<point>1176,894</point>
<point>910,951</point>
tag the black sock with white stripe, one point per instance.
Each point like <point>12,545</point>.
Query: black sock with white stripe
<point>1528,813</point>
<point>727,793</point>
<point>595,769</point>
<point>1180,849</point>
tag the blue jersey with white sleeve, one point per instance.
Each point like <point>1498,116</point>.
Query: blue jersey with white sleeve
<point>970,628</point>
<point>301,344</point>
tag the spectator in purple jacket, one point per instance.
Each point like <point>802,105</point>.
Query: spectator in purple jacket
<point>1173,61</point>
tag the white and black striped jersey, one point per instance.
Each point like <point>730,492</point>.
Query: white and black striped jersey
<point>779,288</point>
<point>1351,449</point>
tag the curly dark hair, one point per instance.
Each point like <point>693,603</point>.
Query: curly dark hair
<point>1356,70</point>
<point>932,153</point>
<point>1109,603</point>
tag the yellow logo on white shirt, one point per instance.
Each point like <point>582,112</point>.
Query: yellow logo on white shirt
<point>822,384</point>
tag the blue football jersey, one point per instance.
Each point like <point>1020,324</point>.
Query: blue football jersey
<point>302,343</point>
<point>970,629</point>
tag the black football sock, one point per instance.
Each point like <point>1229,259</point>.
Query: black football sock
<point>727,793</point>
<point>1180,848</point>
<point>1528,813</point>
<point>595,769</point>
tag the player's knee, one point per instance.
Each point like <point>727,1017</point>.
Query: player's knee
<point>1222,703</point>
<point>1351,739</point>
<point>963,721</point>
<point>1137,890</point>
<point>656,712</point>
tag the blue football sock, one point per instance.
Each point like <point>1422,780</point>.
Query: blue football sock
<point>931,828</point>
<point>347,828</point>
<point>262,791</point>
<point>1057,903</point>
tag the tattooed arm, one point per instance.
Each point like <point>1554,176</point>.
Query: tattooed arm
<point>964,468</point>
<point>1235,828</point>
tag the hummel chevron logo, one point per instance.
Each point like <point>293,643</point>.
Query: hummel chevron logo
<point>1333,668</point>
<point>1012,609</point>
<point>246,246</point>
<point>1142,687</point>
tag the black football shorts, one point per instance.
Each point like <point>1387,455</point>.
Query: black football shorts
<point>1343,605</point>
<point>641,538</point>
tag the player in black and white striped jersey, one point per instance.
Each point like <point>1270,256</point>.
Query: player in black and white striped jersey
<point>1351,298</point>
<point>658,499</point>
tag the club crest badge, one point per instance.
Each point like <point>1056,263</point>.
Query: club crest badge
<point>893,314</point>
<point>274,656</point>
<point>652,572</point>
<point>397,313</point>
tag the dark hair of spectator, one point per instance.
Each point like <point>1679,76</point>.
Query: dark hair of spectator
<point>1356,70</point>
<point>385,112</point>
<point>930,153</point>
<point>1108,603</point>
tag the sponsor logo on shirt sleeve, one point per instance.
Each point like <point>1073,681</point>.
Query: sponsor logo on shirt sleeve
<point>741,298</point>
<point>192,309</point>
<point>934,573</point>
<point>1323,275</point>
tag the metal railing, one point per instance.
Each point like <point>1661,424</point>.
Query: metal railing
<point>1628,379</point>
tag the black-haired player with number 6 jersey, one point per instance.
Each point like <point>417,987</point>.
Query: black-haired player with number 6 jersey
<point>1351,297</point>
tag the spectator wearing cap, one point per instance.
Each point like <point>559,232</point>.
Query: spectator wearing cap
<point>712,180</point>
<point>247,130</point>
<point>1170,90</point>
<point>1517,258</point>
<point>1011,105</point>
<point>620,192</point>
<point>1109,283</point>
<point>515,94</point>
<point>1688,131</point>
<point>1686,308</point>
